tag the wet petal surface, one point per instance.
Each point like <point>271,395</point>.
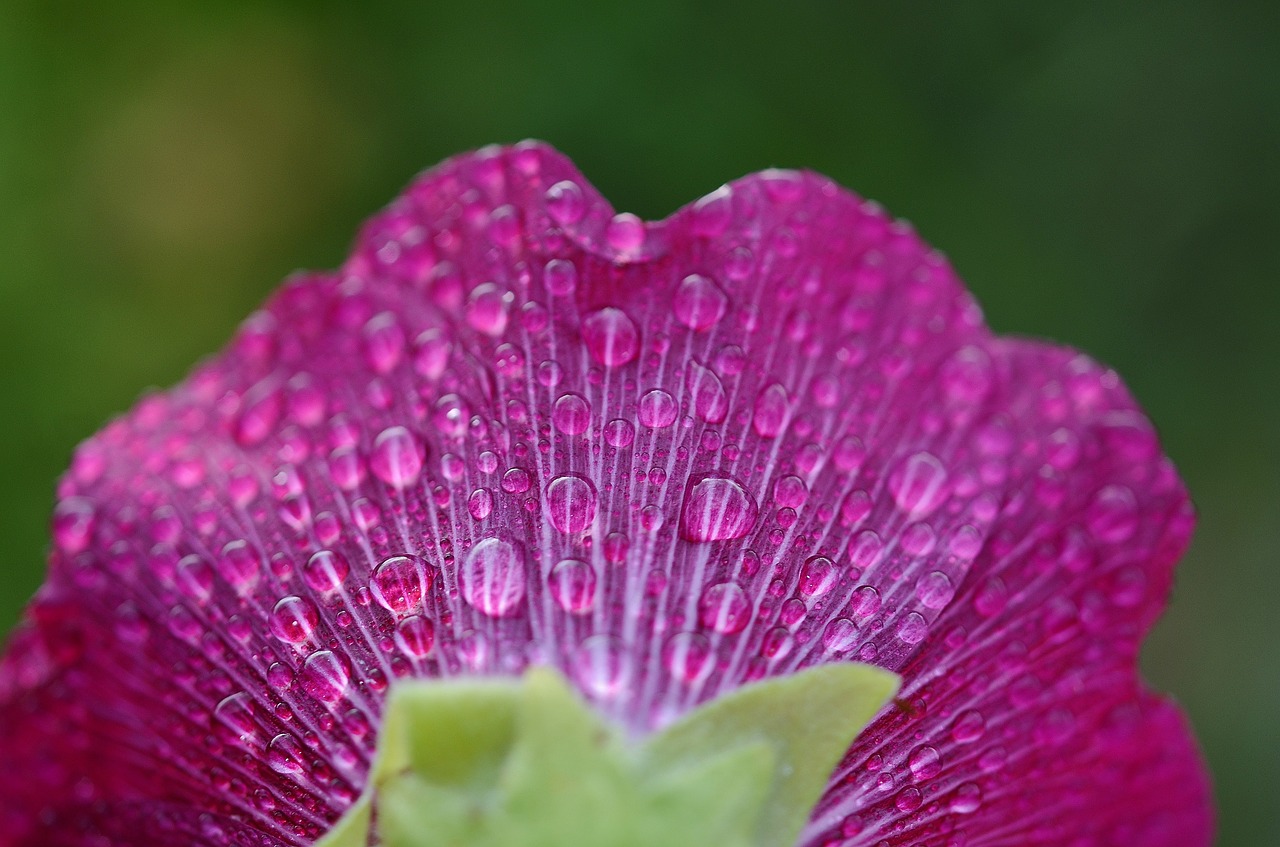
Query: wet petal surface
<point>515,428</point>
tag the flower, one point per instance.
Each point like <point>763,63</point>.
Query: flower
<point>669,459</point>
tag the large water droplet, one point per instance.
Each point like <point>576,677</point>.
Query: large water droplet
<point>688,656</point>
<point>492,577</point>
<point>416,635</point>
<point>400,583</point>
<point>571,414</point>
<point>397,457</point>
<point>571,503</point>
<point>236,715</point>
<point>770,413</point>
<point>611,337</point>
<point>716,508</point>
<point>573,585</point>
<point>699,303</point>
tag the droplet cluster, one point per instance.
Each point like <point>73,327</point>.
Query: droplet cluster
<point>517,427</point>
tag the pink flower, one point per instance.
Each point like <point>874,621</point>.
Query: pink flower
<point>769,432</point>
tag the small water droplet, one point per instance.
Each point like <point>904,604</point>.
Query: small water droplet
<point>912,628</point>
<point>325,676</point>
<point>492,577</point>
<point>416,635</point>
<point>918,485</point>
<point>611,337</point>
<point>571,503</point>
<point>293,619</point>
<point>770,412</point>
<point>487,308</point>
<point>384,342</point>
<point>573,585</point>
<point>480,503</point>
<point>968,727</point>
<point>240,565</point>
<point>565,203</point>
<point>818,576</point>
<point>560,277</point>
<point>699,303</point>
<point>397,457</point>
<point>400,583</point>
<point>325,570</point>
<point>710,402</point>
<point>840,635</point>
<point>924,763</point>
<point>571,414</point>
<point>716,508</point>
<point>934,590</point>
<point>657,409</point>
<point>625,234</point>
<point>724,608</point>
<point>688,656</point>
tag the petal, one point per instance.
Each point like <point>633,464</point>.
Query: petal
<point>1022,720</point>
<point>516,427</point>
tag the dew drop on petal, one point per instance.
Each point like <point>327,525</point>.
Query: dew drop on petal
<point>293,619</point>
<point>625,234</point>
<point>924,763</point>
<point>492,577</point>
<point>699,303</point>
<point>770,412</point>
<point>611,337</point>
<point>400,583</point>
<point>560,276</point>
<point>571,414</point>
<point>840,635</point>
<point>969,727</point>
<point>397,457</point>
<point>565,203</point>
<point>688,656</point>
<point>934,590</point>
<point>480,503</point>
<point>918,485</point>
<point>710,402</point>
<point>724,608</point>
<point>716,508</point>
<point>912,628</point>
<point>601,665</point>
<point>416,635</point>
<point>967,799</point>
<point>657,409</point>
<point>325,570</point>
<point>571,503</point>
<point>325,676</point>
<point>573,586</point>
<point>285,755</point>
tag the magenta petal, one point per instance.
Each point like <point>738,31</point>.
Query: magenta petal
<point>768,432</point>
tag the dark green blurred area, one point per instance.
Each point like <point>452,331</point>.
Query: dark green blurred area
<point>1102,174</point>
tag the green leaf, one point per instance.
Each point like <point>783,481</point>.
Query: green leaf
<point>527,763</point>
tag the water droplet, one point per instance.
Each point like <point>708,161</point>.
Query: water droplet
<point>818,576</point>
<point>325,570</point>
<point>657,409</point>
<point>236,715</point>
<point>918,485</point>
<point>293,619</point>
<point>865,602</point>
<point>840,635</point>
<point>480,503</point>
<point>611,337</point>
<point>565,203</point>
<point>790,492</point>
<point>571,503</point>
<point>285,755</point>
<point>688,656</point>
<point>908,800</point>
<point>724,608</point>
<point>516,481</point>
<point>625,234</point>
<point>1112,516</point>
<point>573,585</point>
<point>967,799</point>
<point>934,590</point>
<point>770,413</point>
<point>713,213</point>
<point>699,303</point>
<point>710,402</point>
<point>560,277</point>
<point>619,433</point>
<point>716,508</point>
<point>492,577</point>
<point>968,727</point>
<point>384,342</point>
<point>487,309</point>
<point>397,457</point>
<point>73,523</point>
<point>325,676</point>
<point>451,416</point>
<point>571,414</point>
<point>431,354</point>
<point>416,635</point>
<point>400,583</point>
<point>240,565</point>
<point>924,763</point>
<point>601,665</point>
<point>912,628</point>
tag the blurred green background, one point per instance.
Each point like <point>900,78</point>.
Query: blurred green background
<point>1103,174</point>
